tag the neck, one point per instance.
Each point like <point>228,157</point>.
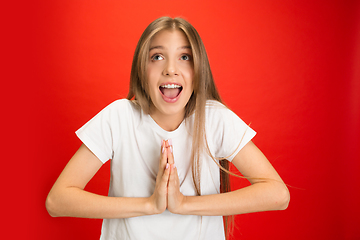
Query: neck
<point>168,122</point>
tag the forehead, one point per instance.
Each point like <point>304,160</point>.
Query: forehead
<point>169,38</point>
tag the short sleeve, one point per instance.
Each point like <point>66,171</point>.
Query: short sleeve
<point>97,134</point>
<point>227,131</point>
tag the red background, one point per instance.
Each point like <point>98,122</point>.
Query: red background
<point>290,68</point>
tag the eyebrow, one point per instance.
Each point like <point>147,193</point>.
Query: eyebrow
<point>161,47</point>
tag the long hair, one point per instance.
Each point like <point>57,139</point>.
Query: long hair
<point>204,89</point>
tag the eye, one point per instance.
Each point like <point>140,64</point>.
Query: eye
<point>157,57</point>
<point>185,57</point>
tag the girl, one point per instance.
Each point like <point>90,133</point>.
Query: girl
<point>167,148</point>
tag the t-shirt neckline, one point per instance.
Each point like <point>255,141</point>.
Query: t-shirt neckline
<point>160,130</point>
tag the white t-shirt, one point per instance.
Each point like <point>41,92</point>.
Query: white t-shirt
<point>123,133</point>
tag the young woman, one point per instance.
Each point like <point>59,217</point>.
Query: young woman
<point>168,143</point>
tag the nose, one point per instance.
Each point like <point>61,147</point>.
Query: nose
<point>170,69</point>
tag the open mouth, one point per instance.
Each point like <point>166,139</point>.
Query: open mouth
<point>171,91</point>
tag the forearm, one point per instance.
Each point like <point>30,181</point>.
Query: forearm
<point>264,196</point>
<point>75,202</point>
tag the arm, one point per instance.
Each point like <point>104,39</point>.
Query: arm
<point>262,195</point>
<point>68,197</point>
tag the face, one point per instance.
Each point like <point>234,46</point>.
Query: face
<point>170,74</point>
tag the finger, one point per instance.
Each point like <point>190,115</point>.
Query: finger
<point>173,185</point>
<point>174,178</point>
<point>163,155</point>
<point>162,146</point>
<point>165,177</point>
<point>170,154</point>
<point>163,160</point>
<point>168,144</point>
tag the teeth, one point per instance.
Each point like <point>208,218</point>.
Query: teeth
<point>170,86</point>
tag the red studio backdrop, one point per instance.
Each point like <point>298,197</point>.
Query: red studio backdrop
<point>290,68</point>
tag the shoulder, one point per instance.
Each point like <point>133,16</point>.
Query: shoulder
<point>217,111</point>
<point>226,132</point>
<point>122,106</point>
<point>220,118</point>
<point>118,111</point>
<point>213,105</point>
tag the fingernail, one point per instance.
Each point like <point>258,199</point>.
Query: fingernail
<point>170,141</point>
<point>171,148</point>
<point>167,166</point>
<point>174,166</point>
<point>163,149</point>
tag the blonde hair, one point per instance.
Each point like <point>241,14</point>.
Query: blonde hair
<point>203,83</point>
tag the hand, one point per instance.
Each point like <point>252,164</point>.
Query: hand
<point>175,198</point>
<point>159,198</point>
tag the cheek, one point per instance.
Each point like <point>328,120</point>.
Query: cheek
<point>153,72</point>
<point>188,72</point>
<point>151,76</point>
<point>149,72</point>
